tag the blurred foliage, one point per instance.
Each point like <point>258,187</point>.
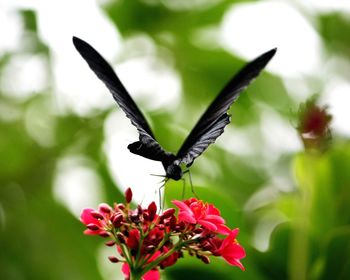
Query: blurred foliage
<point>306,227</point>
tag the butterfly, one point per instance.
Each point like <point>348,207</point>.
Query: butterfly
<point>209,127</point>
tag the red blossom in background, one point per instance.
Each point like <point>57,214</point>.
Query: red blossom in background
<point>314,123</point>
<point>144,239</point>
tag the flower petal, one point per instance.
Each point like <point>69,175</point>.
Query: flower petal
<point>152,275</point>
<point>235,251</point>
<point>86,218</point>
<point>182,206</point>
<point>126,270</point>
<point>230,238</point>
<point>234,261</point>
<point>212,210</point>
<point>207,225</point>
<point>186,217</point>
<point>223,229</point>
<point>215,219</point>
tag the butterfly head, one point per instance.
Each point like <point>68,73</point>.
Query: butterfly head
<point>174,172</point>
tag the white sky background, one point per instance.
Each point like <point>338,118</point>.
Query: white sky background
<point>275,24</point>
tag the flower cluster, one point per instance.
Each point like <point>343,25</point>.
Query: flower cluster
<point>147,241</point>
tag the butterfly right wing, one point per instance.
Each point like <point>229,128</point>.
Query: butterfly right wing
<point>212,123</point>
<point>147,146</point>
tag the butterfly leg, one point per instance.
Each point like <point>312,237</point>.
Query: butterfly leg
<point>160,195</point>
<point>190,179</point>
<point>183,187</point>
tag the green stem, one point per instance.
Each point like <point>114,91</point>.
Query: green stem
<point>125,253</point>
<point>135,275</point>
<point>177,246</point>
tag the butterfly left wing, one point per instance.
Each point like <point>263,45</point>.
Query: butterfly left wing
<point>147,146</point>
<point>212,123</point>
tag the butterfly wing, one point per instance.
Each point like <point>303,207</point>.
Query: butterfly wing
<point>212,123</point>
<point>147,146</point>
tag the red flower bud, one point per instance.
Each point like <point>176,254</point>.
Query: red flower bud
<point>152,210</point>
<point>146,216</point>
<point>113,259</point>
<point>172,222</point>
<point>121,237</point>
<point>149,248</point>
<point>97,215</point>
<point>128,195</point>
<point>207,246</point>
<point>117,220</point>
<point>92,227</point>
<point>205,259</point>
<point>105,208</point>
<point>121,206</point>
<point>135,218</point>
<point>139,210</point>
<point>104,234</point>
<point>167,213</point>
<point>161,226</point>
<point>198,230</point>
<point>110,243</point>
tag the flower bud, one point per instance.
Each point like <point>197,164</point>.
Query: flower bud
<point>97,215</point>
<point>172,222</point>
<point>104,208</point>
<point>128,195</point>
<point>117,220</point>
<point>152,210</point>
<point>110,243</point>
<point>134,217</point>
<point>104,234</point>
<point>207,246</point>
<point>121,237</point>
<point>121,206</point>
<point>93,227</point>
<point>198,230</point>
<point>205,259</point>
<point>139,210</point>
<point>113,259</point>
<point>161,226</point>
<point>146,216</point>
<point>149,248</point>
<point>167,213</point>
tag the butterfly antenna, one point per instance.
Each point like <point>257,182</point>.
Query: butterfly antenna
<point>158,175</point>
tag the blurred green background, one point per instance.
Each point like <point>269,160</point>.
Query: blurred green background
<point>57,155</point>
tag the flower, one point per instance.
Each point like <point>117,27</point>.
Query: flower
<point>230,249</point>
<point>95,221</point>
<point>195,211</point>
<point>147,242</point>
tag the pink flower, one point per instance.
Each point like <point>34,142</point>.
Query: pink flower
<point>89,217</point>
<point>150,275</point>
<point>194,211</point>
<point>231,251</point>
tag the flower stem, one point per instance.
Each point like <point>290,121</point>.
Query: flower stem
<point>135,276</point>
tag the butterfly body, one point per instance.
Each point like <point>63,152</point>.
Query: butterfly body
<point>209,127</point>
<point>174,171</point>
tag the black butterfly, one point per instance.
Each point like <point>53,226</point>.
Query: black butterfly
<point>209,127</point>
